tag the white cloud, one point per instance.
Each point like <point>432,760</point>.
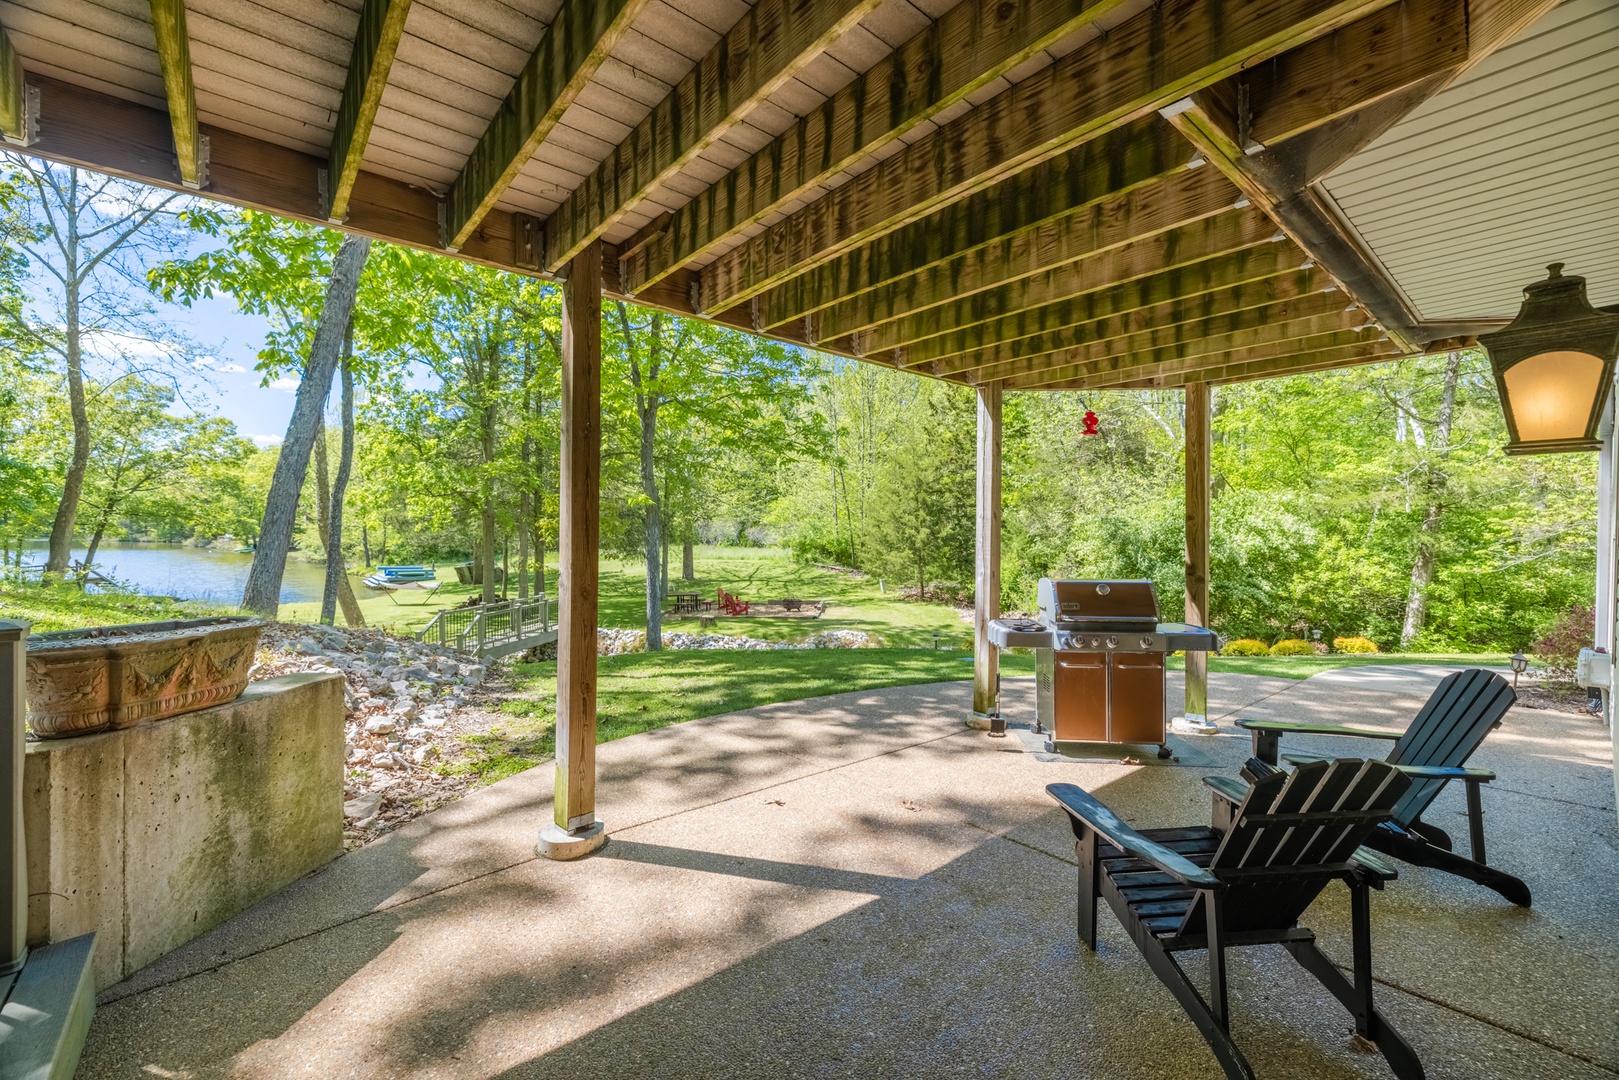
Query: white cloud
<point>287,384</point>
<point>231,369</point>
<point>262,441</point>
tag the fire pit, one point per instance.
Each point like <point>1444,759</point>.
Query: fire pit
<point>83,681</point>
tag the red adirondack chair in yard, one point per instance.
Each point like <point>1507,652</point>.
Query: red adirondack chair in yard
<point>730,605</point>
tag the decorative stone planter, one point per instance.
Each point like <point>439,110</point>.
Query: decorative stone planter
<point>82,681</point>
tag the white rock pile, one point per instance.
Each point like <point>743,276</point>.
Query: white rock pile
<point>402,700</point>
<point>611,642</point>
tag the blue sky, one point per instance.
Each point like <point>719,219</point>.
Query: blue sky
<point>232,385</point>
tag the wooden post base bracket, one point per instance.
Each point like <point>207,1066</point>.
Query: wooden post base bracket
<point>559,844</point>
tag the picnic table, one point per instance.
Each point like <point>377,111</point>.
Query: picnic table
<point>687,603</point>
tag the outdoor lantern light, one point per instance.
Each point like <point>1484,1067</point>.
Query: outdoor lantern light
<point>1520,663</point>
<point>1553,367</point>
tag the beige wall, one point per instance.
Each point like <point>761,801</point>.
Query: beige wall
<point>153,835</point>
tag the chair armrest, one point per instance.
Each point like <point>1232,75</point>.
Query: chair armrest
<point>1374,866</point>
<point>1303,759</point>
<point>1296,728</point>
<point>1083,807</point>
<point>1229,788</point>
<point>1445,772</point>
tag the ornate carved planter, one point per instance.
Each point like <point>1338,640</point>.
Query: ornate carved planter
<point>81,681</point>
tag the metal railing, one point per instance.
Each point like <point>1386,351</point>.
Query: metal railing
<point>499,628</point>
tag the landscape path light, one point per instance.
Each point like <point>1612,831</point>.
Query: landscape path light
<point>1554,366</point>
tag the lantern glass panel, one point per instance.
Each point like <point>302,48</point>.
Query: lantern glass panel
<point>1551,394</point>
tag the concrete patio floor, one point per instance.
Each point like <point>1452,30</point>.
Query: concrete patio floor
<point>859,886</point>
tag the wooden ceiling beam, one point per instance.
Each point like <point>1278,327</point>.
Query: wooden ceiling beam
<point>766,48</point>
<point>576,43</point>
<point>15,123</point>
<point>1211,254</point>
<point>1131,182</point>
<point>1120,312</point>
<point>1145,63</point>
<point>174,57</point>
<point>968,47</point>
<point>376,41</point>
<point>1179,361</point>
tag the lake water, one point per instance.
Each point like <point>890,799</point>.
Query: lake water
<point>189,573</point>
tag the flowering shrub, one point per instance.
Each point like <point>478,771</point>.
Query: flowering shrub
<point>1353,645</point>
<point>1245,647</point>
<point>1574,630</point>
<point>1292,647</point>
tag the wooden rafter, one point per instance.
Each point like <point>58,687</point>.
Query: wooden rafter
<point>376,40</point>
<point>970,46</point>
<point>1114,342</point>
<point>1146,62</point>
<point>576,43</point>
<point>1181,200</point>
<point>1137,155</point>
<point>174,56</point>
<point>1376,352</point>
<point>1121,311</point>
<point>1208,255</point>
<point>770,44</point>
<point>1182,361</point>
<point>13,94</point>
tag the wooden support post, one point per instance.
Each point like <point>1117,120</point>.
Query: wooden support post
<point>987,579</point>
<point>13,870</point>
<point>1199,402</point>
<point>576,830</point>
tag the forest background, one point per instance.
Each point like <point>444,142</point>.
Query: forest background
<point>1370,501</point>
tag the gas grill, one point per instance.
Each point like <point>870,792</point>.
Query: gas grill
<point>1099,660</point>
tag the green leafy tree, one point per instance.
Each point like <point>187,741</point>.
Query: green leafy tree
<point>86,238</point>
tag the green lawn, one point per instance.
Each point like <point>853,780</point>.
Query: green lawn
<point>857,603</point>
<point>642,691</point>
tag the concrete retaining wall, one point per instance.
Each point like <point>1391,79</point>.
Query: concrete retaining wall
<point>153,835</point>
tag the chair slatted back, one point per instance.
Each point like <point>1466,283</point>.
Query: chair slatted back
<point>1455,720</point>
<point>1290,835</point>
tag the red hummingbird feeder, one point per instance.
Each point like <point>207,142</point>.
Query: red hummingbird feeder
<point>1091,422</point>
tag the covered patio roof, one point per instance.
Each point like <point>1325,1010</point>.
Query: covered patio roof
<point>1045,194</point>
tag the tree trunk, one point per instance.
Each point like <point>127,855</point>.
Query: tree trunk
<point>95,542</point>
<point>67,511</point>
<point>688,568</point>
<point>263,591</point>
<point>654,528</point>
<point>323,488</point>
<point>365,544</point>
<point>522,546</point>
<point>1416,604</point>
<point>663,570</point>
<point>338,589</point>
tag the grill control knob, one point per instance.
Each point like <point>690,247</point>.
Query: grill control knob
<point>1146,642</point>
<point>1113,643</point>
<point>1095,642</point>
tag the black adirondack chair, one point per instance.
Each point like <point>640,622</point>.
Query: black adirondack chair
<point>1432,751</point>
<point>1212,889</point>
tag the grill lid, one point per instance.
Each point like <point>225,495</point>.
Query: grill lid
<point>1098,605</point>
